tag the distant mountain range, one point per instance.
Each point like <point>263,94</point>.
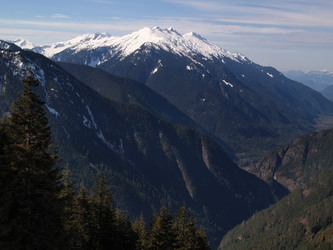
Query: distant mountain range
<point>318,80</point>
<point>328,92</point>
<point>146,160</point>
<point>251,108</point>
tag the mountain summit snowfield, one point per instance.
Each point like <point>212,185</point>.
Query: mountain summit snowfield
<point>167,39</point>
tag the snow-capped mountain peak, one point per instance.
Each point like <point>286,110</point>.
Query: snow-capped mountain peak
<point>22,43</point>
<point>83,41</point>
<point>89,37</point>
<point>170,40</point>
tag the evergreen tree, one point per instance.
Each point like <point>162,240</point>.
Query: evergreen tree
<point>67,196</point>
<point>81,223</point>
<point>162,233</point>
<point>125,237</point>
<point>3,142</point>
<point>32,209</point>
<point>103,216</point>
<point>4,169</point>
<point>139,228</point>
<point>95,224</point>
<point>188,236</point>
<point>6,175</point>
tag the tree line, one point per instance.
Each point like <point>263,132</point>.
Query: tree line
<point>40,208</point>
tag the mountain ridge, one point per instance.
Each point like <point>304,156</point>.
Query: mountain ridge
<point>328,92</point>
<point>251,108</point>
<point>167,39</point>
<point>318,80</point>
<point>145,159</point>
<point>240,99</point>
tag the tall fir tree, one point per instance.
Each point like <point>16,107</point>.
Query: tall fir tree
<point>139,227</point>
<point>67,196</point>
<point>95,224</point>
<point>188,236</point>
<point>81,223</point>
<point>162,233</point>
<point>31,214</point>
<point>104,216</point>
<point>6,175</point>
<point>3,142</point>
<point>125,236</point>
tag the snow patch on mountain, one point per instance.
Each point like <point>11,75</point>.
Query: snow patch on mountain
<point>188,67</point>
<point>121,149</point>
<point>17,63</point>
<point>94,62</point>
<point>100,135</point>
<point>159,65</point>
<point>228,83</point>
<point>154,71</point>
<point>21,66</point>
<point>86,122</point>
<point>52,110</point>
<point>40,75</point>
<point>92,119</point>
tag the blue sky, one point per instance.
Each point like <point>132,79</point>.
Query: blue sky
<point>286,34</point>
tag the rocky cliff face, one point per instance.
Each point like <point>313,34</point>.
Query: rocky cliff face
<point>299,161</point>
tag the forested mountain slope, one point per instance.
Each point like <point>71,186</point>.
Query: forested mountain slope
<point>146,160</point>
<point>126,90</point>
<point>301,220</point>
<point>121,89</point>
